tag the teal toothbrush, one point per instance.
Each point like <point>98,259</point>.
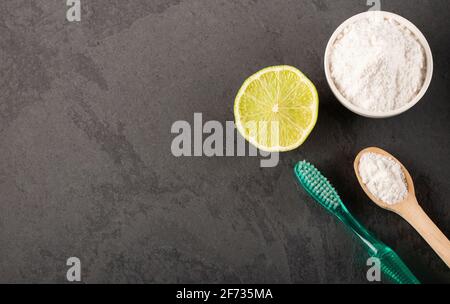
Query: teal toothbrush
<point>319,188</point>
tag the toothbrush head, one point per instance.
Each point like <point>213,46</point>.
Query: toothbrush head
<point>317,186</point>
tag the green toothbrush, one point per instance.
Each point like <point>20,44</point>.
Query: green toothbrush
<point>319,188</point>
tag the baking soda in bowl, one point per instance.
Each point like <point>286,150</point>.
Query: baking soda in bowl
<point>378,64</point>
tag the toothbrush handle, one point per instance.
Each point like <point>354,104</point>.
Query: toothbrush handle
<point>391,264</point>
<point>394,268</point>
<point>370,243</point>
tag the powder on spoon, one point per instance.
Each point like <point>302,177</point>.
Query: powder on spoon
<point>377,64</point>
<point>384,178</point>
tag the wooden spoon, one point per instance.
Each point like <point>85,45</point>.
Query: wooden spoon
<point>410,210</point>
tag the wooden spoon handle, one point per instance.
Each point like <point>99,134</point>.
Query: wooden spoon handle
<point>415,215</point>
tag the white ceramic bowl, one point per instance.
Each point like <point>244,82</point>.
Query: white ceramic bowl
<point>420,37</point>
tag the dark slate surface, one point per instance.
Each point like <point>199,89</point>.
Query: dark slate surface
<point>86,169</point>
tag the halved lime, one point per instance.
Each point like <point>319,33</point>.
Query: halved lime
<point>276,109</point>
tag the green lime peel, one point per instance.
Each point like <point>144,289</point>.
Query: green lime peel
<point>319,188</point>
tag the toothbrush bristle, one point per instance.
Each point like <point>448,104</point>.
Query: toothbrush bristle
<point>317,185</point>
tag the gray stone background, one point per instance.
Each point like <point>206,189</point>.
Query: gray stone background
<point>86,168</point>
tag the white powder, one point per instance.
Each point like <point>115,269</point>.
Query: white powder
<point>383,177</point>
<point>377,64</point>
